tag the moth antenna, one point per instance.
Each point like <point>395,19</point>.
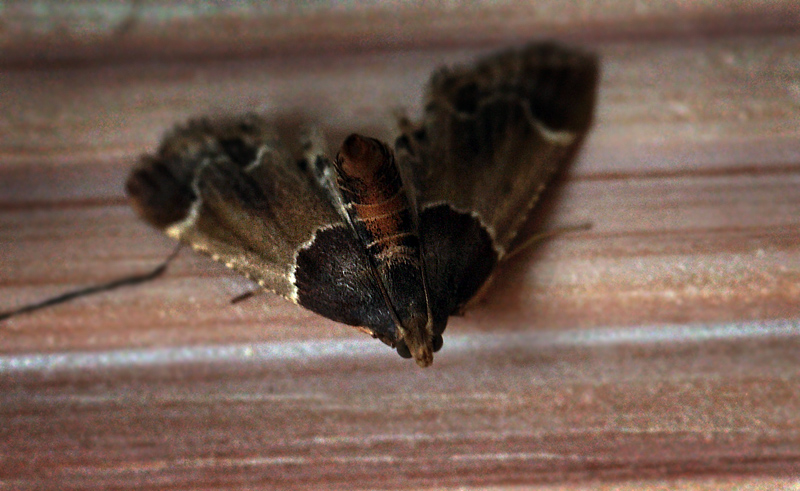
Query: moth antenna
<point>547,234</point>
<point>83,292</point>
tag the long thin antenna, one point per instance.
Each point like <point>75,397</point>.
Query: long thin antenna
<point>542,236</point>
<point>112,285</point>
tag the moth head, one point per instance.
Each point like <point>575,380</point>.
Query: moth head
<point>419,342</point>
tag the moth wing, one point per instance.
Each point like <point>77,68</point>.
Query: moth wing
<point>231,191</point>
<point>491,137</point>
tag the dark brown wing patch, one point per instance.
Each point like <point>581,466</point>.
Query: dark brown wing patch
<point>459,257</point>
<point>334,280</point>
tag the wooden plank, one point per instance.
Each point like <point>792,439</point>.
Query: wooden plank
<point>655,351</point>
<point>499,408</point>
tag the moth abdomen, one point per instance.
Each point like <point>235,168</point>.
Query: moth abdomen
<point>387,229</point>
<point>376,202</point>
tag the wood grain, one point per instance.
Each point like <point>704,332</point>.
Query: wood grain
<point>91,32</point>
<point>657,350</point>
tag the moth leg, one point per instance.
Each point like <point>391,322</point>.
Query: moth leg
<point>366,330</point>
<point>247,295</point>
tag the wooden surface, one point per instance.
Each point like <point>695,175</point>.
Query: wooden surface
<point>658,350</point>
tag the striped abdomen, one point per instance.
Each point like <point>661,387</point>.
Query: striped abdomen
<point>378,206</point>
<point>374,198</point>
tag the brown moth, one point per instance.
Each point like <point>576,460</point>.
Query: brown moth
<point>392,240</point>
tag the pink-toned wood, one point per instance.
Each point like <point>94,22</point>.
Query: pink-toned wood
<point>141,29</point>
<point>657,350</point>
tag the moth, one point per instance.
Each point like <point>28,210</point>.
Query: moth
<point>390,239</point>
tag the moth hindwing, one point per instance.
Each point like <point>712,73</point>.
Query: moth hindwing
<point>392,240</point>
